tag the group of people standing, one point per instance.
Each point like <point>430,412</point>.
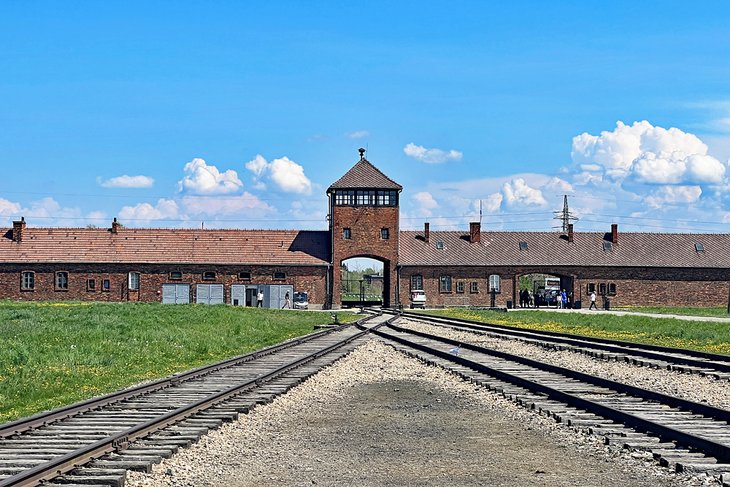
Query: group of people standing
<point>563,300</point>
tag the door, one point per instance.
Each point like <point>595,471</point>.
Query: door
<point>175,293</point>
<point>209,294</point>
<point>238,295</point>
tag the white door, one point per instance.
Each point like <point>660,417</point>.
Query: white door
<point>175,293</point>
<point>209,294</point>
<point>238,295</point>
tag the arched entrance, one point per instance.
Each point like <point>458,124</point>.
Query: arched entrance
<point>539,289</point>
<point>363,282</point>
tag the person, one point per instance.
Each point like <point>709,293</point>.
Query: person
<point>563,300</point>
<point>260,299</point>
<point>286,301</point>
<point>593,301</point>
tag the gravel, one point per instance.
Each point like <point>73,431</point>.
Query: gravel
<point>692,387</point>
<point>378,417</point>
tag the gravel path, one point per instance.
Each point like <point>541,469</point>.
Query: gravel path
<point>687,386</point>
<point>378,417</point>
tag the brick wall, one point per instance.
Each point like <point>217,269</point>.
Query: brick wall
<point>365,224</point>
<point>634,286</point>
<point>304,278</point>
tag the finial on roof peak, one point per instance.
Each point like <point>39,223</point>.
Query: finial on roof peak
<point>362,153</point>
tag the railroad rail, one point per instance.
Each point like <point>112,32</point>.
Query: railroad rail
<point>692,361</point>
<point>101,434</point>
<point>688,434</point>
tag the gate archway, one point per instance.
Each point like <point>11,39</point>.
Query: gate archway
<point>543,290</point>
<point>363,282</point>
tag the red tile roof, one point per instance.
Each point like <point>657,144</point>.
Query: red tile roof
<point>130,245</point>
<point>364,175</point>
<point>552,248</point>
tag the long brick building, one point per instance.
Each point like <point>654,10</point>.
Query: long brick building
<point>470,268</point>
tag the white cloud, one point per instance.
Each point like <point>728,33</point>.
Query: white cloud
<point>286,174</point>
<point>648,154</point>
<point>493,202</point>
<point>8,208</point>
<point>127,182</point>
<point>673,195</point>
<point>226,205</point>
<point>358,134</point>
<point>518,192</point>
<point>144,213</point>
<point>431,156</point>
<point>201,178</point>
<point>424,203</point>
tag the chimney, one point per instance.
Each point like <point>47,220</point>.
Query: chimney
<point>475,232</point>
<point>115,226</point>
<point>570,232</point>
<point>614,233</point>
<point>426,232</point>
<point>18,230</point>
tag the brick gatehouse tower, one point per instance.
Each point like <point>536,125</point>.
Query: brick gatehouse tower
<point>364,222</point>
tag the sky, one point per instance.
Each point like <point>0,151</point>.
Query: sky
<point>241,114</point>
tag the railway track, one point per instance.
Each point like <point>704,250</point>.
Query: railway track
<point>96,441</point>
<point>690,361</point>
<point>681,434</point>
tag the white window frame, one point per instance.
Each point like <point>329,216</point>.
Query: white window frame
<point>495,283</point>
<point>27,281</point>
<point>133,280</point>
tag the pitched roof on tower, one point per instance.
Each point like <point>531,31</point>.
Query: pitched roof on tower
<point>364,175</point>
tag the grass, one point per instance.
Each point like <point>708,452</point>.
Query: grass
<point>57,353</point>
<point>695,335</point>
<point>719,312</point>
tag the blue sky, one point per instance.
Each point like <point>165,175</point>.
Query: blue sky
<point>241,114</point>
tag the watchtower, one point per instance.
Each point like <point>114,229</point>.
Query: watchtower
<point>364,222</point>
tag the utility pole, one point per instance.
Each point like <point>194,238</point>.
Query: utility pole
<point>565,216</point>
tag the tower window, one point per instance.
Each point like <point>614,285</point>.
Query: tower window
<point>384,233</point>
<point>347,234</point>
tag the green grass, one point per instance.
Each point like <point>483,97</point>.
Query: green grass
<point>696,335</point>
<point>57,353</point>
<point>720,312</point>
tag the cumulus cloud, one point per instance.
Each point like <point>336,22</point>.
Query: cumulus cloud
<point>126,182</point>
<point>8,208</point>
<point>228,205</point>
<point>144,213</point>
<point>647,154</point>
<point>358,134</point>
<point>673,195</point>
<point>286,174</point>
<point>493,202</point>
<point>518,192</point>
<point>201,178</point>
<point>424,203</point>
<point>431,156</point>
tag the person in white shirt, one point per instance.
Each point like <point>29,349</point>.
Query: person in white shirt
<point>593,300</point>
<point>260,299</point>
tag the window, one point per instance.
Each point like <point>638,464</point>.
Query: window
<point>133,281</point>
<point>209,276</point>
<point>384,233</point>
<point>344,197</point>
<point>445,284</point>
<point>176,275</point>
<point>591,287</point>
<point>699,247</point>
<point>523,246</point>
<point>346,233</point>
<point>244,276</point>
<point>494,283</point>
<point>417,282</point>
<point>387,198</point>
<point>91,285</point>
<point>607,246</point>
<point>279,275</point>
<point>474,287</point>
<point>612,289</point>
<point>106,285</point>
<point>27,281</point>
<point>459,287</point>
<point>602,289</point>
<point>61,281</point>
<point>365,198</point>
<point>440,245</point>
